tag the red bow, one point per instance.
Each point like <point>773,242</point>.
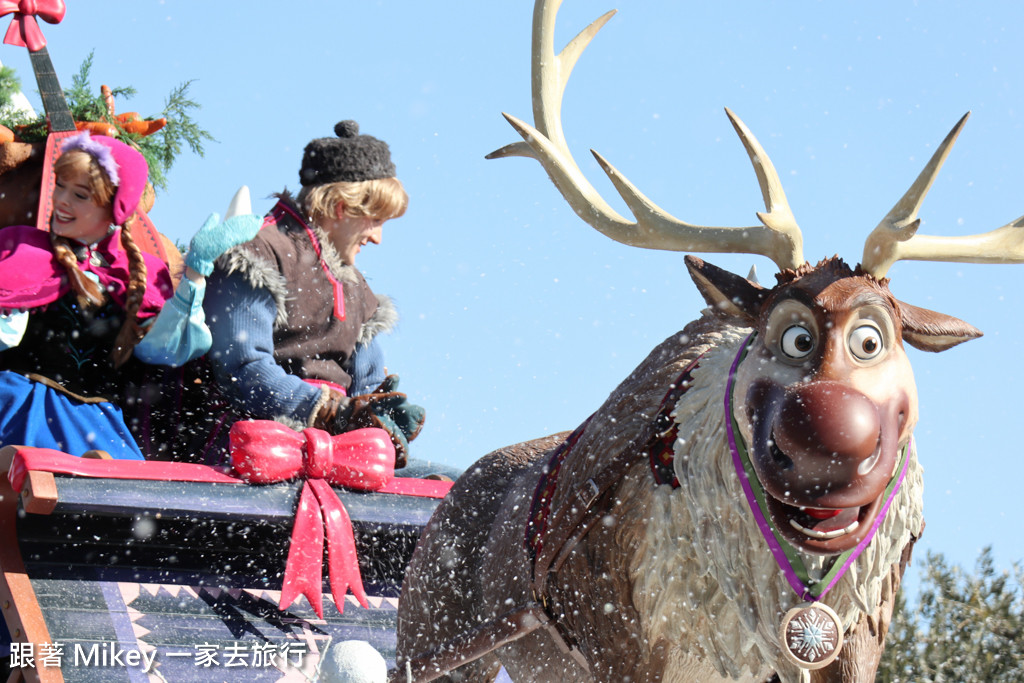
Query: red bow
<point>263,451</point>
<point>24,29</point>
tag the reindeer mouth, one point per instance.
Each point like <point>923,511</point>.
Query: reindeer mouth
<point>812,525</point>
<point>824,531</point>
<point>823,455</point>
<point>823,524</point>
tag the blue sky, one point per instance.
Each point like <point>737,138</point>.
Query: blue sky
<point>517,318</point>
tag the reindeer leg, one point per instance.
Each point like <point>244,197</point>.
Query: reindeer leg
<point>445,594</point>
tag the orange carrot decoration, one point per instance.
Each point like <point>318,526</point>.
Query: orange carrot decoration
<point>130,121</point>
<point>144,127</point>
<point>97,128</point>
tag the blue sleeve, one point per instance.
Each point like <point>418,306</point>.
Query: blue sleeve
<point>242,355</point>
<point>366,368</point>
<point>179,332</point>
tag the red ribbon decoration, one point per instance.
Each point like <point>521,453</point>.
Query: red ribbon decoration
<point>28,459</point>
<point>264,451</point>
<point>24,29</point>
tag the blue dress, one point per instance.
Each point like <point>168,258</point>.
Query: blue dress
<point>58,386</point>
<point>34,414</point>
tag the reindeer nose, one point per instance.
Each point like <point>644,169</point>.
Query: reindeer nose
<point>827,420</point>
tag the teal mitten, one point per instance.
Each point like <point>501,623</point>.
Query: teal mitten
<point>216,237</point>
<point>408,417</point>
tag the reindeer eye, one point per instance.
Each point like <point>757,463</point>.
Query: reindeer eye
<point>797,341</point>
<point>866,342</point>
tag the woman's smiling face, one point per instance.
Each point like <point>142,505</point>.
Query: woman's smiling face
<point>75,214</point>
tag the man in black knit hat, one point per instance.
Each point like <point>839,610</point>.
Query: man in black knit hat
<point>294,322</point>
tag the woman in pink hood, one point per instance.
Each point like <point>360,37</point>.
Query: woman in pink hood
<point>80,304</point>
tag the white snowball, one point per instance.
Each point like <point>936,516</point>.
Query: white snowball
<point>354,661</point>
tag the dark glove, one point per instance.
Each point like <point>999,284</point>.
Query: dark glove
<point>391,411</point>
<point>332,415</point>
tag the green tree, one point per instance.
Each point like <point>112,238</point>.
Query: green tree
<point>967,627</point>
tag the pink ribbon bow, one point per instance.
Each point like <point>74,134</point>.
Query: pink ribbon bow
<point>24,29</point>
<point>263,451</point>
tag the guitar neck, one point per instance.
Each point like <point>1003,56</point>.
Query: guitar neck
<point>57,111</point>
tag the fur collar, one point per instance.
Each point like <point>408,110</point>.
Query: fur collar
<point>384,319</point>
<point>263,274</point>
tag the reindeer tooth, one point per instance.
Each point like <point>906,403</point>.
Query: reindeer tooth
<point>825,535</point>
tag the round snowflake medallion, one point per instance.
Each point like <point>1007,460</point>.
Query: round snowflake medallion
<point>812,635</point>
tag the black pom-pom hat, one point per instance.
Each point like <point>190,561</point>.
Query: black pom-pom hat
<point>349,157</point>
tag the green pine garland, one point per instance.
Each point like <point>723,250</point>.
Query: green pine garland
<point>160,149</point>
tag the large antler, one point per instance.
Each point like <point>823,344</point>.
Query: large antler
<point>778,237</point>
<point>895,238</point>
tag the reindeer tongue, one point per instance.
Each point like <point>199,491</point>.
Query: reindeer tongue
<point>821,513</point>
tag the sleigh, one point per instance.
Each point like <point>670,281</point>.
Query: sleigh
<point>128,570</point>
<point>115,570</point>
<point>135,571</point>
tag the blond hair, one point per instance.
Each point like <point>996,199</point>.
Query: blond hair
<point>90,294</point>
<point>383,199</point>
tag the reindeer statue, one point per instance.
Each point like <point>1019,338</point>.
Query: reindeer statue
<point>743,505</point>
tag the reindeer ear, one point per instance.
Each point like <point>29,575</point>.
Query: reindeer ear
<point>930,331</point>
<point>725,292</point>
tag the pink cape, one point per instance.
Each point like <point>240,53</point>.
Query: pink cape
<point>31,277</point>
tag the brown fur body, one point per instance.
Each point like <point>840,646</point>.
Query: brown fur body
<point>609,597</point>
